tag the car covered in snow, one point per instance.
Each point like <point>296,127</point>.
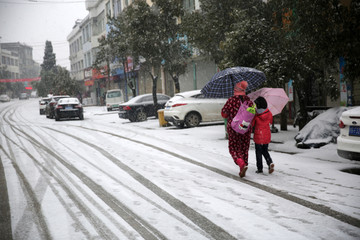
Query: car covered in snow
<point>68,108</point>
<point>348,142</point>
<point>192,107</point>
<point>321,130</point>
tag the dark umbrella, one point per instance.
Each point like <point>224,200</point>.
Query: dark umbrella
<point>222,83</point>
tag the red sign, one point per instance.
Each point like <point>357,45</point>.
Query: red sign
<point>97,74</point>
<point>129,65</point>
<point>21,80</point>
<point>89,82</point>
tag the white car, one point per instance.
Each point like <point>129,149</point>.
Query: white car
<point>113,98</point>
<point>4,98</point>
<point>348,142</point>
<point>190,108</point>
<point>42,104</point>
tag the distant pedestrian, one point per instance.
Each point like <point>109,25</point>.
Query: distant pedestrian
<point>262,134</point>
<point>79,96</point>
<point>238,143</point>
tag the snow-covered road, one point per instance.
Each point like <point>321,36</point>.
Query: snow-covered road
<point>107,178</point>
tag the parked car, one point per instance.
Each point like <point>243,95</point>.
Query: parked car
<point>190,108</point>
<point>33,94</point>
<point>348,142</point>
<point>50,107</point>
<point>141,107</point>
<point>4,98</point>
<point>113,98</point>
<point>42,104</point>
<point>69,108</point>
<point>23,96</point>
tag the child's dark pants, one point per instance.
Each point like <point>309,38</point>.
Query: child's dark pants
<point>262,150</point>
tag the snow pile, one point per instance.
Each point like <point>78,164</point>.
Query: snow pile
<point>321,130</point>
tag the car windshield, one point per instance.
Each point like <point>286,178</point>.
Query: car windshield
<point>57,98</point>
<point>114,94</point>
<point>200,95</point>
<point>137,99</point>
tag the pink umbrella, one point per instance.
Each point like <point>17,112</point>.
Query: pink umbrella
<point>276,98</point>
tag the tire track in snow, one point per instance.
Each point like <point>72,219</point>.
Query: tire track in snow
<point>188,224</point>
<point>101,229</point>
<point>32,210</point>
<point>5,215</point>
<point>140,225</point>
<point>316,207</point>
<point>215,231</point>
<point>141,195</point>
<point>25,223</point>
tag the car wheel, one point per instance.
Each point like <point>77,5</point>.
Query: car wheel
<point>141,116</point>
<point>192,119</point>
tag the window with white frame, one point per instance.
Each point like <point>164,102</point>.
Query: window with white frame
<point>118,7</point>
<point>86,32</point>
<point>108,9</point>
<point>87,57</point>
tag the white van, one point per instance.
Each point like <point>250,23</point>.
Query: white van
<point>113,98</point>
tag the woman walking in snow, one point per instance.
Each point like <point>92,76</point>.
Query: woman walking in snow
<point>262,134</point>
<point>238,143</point>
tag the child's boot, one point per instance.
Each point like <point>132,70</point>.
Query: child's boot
<point>271,168</point>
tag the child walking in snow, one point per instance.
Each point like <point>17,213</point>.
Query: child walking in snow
<point>262,134</point>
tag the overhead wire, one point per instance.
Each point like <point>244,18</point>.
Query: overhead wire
<point>46,2</point>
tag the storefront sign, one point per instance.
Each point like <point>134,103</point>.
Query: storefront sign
<point>291,90</point>
<point>87,73</point>
<point>89,82</point>
<point>101,73</point>
<point>129,65</point>
<point>21,80</point>
<point>343,88</point>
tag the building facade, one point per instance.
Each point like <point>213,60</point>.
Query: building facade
<point>28,68</point>
<point>17,66</point>
<point>84,44</point>
<point>10,62</point>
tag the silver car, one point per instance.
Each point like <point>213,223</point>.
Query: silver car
<point>4,98</point>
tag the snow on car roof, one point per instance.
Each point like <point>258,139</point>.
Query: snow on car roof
<point>188,93</point>
<point>69,101</point>
<point>352,111</point>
